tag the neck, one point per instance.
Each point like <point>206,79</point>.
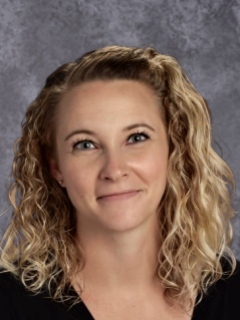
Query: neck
<point>119,259</point>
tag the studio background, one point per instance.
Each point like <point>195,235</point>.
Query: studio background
<point>203,35</point>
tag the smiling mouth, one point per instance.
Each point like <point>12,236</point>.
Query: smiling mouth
<point>119,196</point>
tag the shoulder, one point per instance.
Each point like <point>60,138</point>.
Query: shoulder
<point>8,283</point>
<point>228,286</point>
<point>9,296</point>
<point>17,303</point>
<point>222,301</point>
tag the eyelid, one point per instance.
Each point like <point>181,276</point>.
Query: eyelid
<point>78,141</point>
<point>142,133</point>
<point>88,140</point>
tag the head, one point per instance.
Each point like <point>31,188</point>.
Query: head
<point>184,111</point>
<point>194,207</point>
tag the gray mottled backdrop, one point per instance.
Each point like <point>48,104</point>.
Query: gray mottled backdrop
<point>204,36</point>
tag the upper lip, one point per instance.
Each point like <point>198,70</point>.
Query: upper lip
<point>116,193</point>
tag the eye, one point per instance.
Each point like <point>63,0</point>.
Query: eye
<point>83,145</point>
<point>138,137</point>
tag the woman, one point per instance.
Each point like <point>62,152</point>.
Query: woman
<point>121,206</point>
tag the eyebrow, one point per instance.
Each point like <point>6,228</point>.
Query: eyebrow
<point>79,132</point>
<point>136,125</point>
<point>130,127</point>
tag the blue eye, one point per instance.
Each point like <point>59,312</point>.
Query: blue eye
<point>83,145</point>
<point>138,137</point>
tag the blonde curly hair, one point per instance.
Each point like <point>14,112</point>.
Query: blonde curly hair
<point>39,244</point>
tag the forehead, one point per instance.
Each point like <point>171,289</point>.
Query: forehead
<point>105,101</point>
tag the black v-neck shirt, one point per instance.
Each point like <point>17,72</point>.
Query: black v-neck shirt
<point>221,303</point>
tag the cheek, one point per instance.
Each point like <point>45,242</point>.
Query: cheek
<point>78,181</point>
<point>158,174</point>
<point>79,190</point>
<point>155,167</point>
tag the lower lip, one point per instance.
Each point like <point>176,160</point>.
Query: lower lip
<point>121,196</point>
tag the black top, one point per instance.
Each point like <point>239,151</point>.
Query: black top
<point>222,302</point>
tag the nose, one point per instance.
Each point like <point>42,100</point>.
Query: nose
<point>114,167</point>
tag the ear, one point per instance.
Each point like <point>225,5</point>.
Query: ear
<point>55,171</point>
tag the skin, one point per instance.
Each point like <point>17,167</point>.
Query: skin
<point>112,158</point>
<point>116,178</point>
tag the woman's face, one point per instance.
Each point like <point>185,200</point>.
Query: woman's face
<point>112,154</point>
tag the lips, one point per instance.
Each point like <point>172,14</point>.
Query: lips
<point>118,195</point>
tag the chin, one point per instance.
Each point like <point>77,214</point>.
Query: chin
<point>127,222</point>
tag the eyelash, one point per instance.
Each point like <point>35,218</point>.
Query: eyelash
<point>135,134</point>
<point>139,133</point>
<point>82,141</point>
